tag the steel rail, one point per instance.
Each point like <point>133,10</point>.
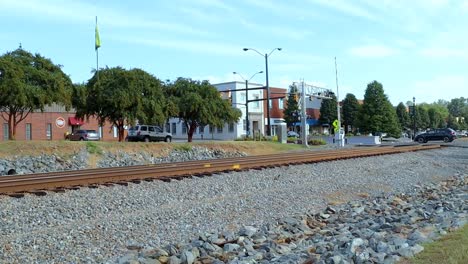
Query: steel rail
<point>90,177</point>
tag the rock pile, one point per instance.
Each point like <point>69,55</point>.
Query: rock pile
<point>378,229</point>
<point>47,163</point>
<point>44,163</point>
<point>176,155</point>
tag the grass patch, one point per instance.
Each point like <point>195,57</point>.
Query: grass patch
<point>93,148</point>
<point>186,147</point>
<point>450,249</point>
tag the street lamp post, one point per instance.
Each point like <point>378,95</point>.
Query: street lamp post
<point>266,55</point>
<point>247,125</point>
<point>414,117</point>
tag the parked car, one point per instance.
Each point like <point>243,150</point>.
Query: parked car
<point>292,134</point>
<point>445,134</point>
<point>84,135</point>
<point>148,133</point>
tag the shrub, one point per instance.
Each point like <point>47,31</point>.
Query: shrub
<point>317,142</point>
<point>93,148</point>
<point>183,147</point>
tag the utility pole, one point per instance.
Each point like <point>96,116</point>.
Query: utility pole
<point>304,116</point>
<point>339,137</point>
<point>414,117</point>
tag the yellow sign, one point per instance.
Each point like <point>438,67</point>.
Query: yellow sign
<point>335,125</point>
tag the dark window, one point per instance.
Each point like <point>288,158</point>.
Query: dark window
<point>143,128</point>
<point>5,131</point>
<point>49,131</point>
<point>151,129</point>
<point>28,131</point>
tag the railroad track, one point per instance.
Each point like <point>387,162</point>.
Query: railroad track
<point>40,183</point>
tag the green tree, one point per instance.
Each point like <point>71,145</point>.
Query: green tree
<point>291,112</point>
<point>121,97</point>
<point>199,103</point>
<point>436,119</point>
<point>377,114</point>
<point>328,111</point>
<point>29,83</point>
<point>456,106</point>
<point>422,117</point>
<point>452,123</point>
<point>403,115</point>
<point>350,111</point>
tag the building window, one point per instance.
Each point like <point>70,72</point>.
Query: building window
<point>231,127</point>
<point>242,98</point>
<point>270,103</point>
<point>211,129</point>
<point>6,135</point>
<point>100,132</point>
<point>220,129</point>
<point>201,129</point>
<point>184,129</point>
<point>256,103</point>
<point>168,128</point>
<point>244,126</point>
<point>28,131</point>
<point>49,131</point>
<point>114,131</point>
<point>281,103</point>
<point>174,128</point>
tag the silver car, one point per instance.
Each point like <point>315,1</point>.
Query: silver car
<point>84,135</point>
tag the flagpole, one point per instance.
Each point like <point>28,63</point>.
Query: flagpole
<point>97,58</point>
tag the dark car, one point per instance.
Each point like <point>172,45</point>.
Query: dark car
<point>84,135</point>
<point>445,134</point>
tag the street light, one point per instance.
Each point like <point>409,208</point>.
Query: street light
<point>247,100</point>
<point>267,85</point>
<point>414,117</point>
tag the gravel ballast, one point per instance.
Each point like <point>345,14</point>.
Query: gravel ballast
<point>102,225</point>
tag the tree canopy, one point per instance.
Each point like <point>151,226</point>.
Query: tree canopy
<point>328,111</point>
<point>377,113</point>
<point>403,116</point>
<point>291,111</point>
<point>121,97</point>
<point>199,104</point>
<point>29,83</point>
<point>350,111</point>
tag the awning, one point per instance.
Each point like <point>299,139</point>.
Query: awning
<point>310,122</point>
<point>74,121</point>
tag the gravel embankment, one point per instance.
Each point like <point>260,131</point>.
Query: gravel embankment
<point>100,225</point>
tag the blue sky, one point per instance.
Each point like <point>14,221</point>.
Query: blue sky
<point>414,48</point>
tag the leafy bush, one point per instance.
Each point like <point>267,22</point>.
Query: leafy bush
<point>183,147</point>
<point>317,142</point>
<point>93,148</point>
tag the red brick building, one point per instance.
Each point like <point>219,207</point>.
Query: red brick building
<point>277,107</point>
<point>53,124</point>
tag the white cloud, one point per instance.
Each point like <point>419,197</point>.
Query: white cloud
<point>373,51</point>
<point>443,52</point>
<point>444,87</point>
<point>283,32</point>
<point>406,43</point>
<point>347,7</point>
<point>80,12</point>
<point>207,47</point>
<point>228,77</point>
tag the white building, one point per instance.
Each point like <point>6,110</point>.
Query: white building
<point>236,92</point>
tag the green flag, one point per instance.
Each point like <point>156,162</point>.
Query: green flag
<point>97,43</point>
